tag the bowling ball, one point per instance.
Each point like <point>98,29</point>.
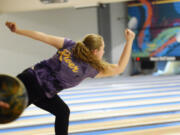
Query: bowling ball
<point>12,92</point>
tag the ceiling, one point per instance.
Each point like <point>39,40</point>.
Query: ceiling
<point>7,6</point>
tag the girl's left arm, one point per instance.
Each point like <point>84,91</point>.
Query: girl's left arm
<point>115,69</point>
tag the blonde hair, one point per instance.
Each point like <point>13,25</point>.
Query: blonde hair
<point>83,50</point>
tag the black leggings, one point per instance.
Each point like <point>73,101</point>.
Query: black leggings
<point>55,105</point>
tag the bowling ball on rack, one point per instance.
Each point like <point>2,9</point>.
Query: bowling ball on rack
<point>13,93</point>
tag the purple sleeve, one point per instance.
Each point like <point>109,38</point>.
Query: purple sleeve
<point>68,43</point>
<point>92,72</point>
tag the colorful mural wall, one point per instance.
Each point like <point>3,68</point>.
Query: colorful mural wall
<point>157,26</point>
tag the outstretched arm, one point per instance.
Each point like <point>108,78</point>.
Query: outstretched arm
<point>57,42</point>
<point>115,69</point>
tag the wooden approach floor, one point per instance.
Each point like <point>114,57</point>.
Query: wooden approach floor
<point>139,105</point>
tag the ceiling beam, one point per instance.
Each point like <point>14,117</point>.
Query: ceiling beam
<point>8,6</point>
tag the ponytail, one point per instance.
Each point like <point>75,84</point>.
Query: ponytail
<point>81,52</point>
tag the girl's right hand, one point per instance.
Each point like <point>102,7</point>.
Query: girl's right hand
<point>12,26</point>
<point>4,105</point>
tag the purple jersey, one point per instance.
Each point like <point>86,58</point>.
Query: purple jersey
<point>62,70</point>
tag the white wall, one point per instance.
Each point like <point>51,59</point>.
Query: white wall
<point>18,53</point>
<point>118,25</point>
